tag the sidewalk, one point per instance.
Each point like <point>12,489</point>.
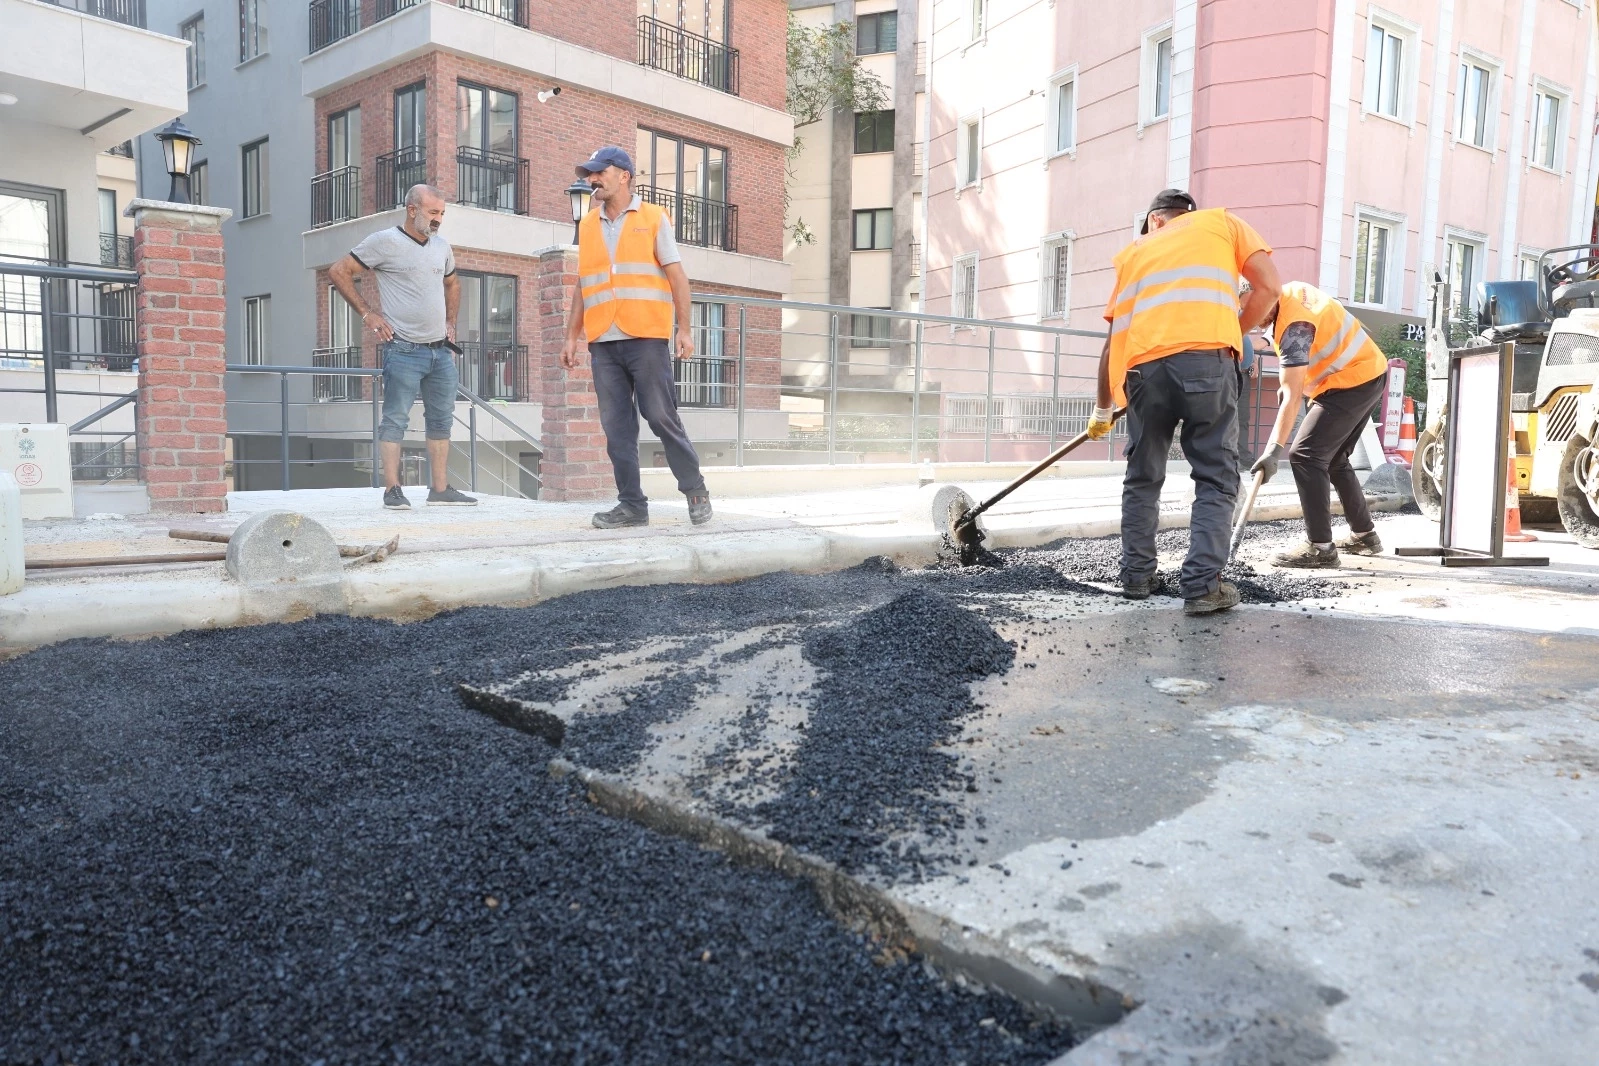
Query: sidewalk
<point>511,551</point>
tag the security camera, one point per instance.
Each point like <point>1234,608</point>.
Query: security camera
<point>554,90</point>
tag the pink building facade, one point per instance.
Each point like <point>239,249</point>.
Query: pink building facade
<point>1370,144</point>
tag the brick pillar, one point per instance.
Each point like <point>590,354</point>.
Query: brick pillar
<point>180,422</point>
<point>575,466</point>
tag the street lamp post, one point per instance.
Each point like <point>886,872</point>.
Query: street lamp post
<point>578,192</point>
<point>177,146</point>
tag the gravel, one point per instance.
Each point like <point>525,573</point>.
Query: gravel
<point>291,844</point>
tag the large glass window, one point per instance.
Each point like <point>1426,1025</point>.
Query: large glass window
<point>708,18</point>
<point>344,325</point>
<point>1372,241</point>
<point>1460,268</point>
<point>1385,65</point>
<point>708,320</point>
<point>673,164</point>
<point>487,335</point>
<point>31,222</point>
<point>410,116</point>
<point>193,31</point>
<point>252,29</point>
<point>257,330</point>
<point>877,33</point>
<point>344,139</point>
<point>1546,124</point>
<point>257,187</point>
<point>874,229</point>
<point>1472,125</point>
<point>108,211</point>
<point>874,132</point>
<point>485,119</point>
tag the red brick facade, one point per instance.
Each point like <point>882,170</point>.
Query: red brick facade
<point>180,420</point>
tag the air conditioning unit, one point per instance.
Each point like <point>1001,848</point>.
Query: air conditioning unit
<point>37,457</point>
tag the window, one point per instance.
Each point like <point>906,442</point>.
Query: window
<point>874,229</point>
<point>344,139</point>
<point>1472,123</point>
<point>200,183</point>
<point>108,212</point>
<point>1054,277</point>
<point>1373,241</point>
<point>979,19</point>
<point>193,31</point>
<point>869,331</point>
<point>707,18</point>
<point>1385,68</point>
<point>257,189</point>
<point>485,119</point>
<point>1063,114</point>
<point>1527,266</point>
<point>1157,75</point>
<point>410,116</point>
<point>252,29</point>
<point>1548,111</point>
<point>874,132</point>
<point>674,164</point>
<point>963,287</point>
<point>1462,261</point>
<point>876,33</point>
<point>344,325</point>
<point>708,321</point>
<point>257,330</point>
<point>969,153</point>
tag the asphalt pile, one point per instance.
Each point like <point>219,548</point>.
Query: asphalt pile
<point>291,843</point>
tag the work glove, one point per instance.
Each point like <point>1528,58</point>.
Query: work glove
<point>1100,423</point>
<point>1267,463</point>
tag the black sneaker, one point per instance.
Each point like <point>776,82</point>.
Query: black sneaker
<point>1361,544</point>
<point>619,517</point>
<point>1225,596</point>
<point>449,497</point>
<point>1307,557</point>
<point>699,508</point>
<point>394,499</point>
<point>1137,588</point>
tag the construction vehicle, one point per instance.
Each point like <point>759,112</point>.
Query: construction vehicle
<point>1553,322</point>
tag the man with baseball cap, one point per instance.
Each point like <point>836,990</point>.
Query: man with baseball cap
<point>1176,331</point>
<point>631,291</point>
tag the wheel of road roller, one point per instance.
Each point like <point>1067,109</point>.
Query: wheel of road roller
<point>1427,473</point>
<point>1578,492</point>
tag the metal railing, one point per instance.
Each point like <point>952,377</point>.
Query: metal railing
<point>311,443</point>
<point>663,46</point>
<point>116,251</point>
<point>512,11</point>
<point>333,20</point>
<point>490,180</point>
<point>706,382</point>
<point>916,259</point>
<point>695,219</point>
<point>390,8</point>
<point>397,172</point>
<point>336,196</point>
<point>493,371</point>
<point>127,12</point>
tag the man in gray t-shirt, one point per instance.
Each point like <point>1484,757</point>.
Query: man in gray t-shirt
<point>419,294</point>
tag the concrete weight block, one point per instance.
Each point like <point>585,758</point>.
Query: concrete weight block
<point>281,547</point>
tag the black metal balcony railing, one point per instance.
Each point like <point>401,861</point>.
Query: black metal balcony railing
<point>333,20</point>
<point>493,371</point>
<point>512,11</point>
<point>390,8</point>
<point>336,196</point>
<point>696,220</point>
<point>338,388</point>
<point>125,150</point>
<point>127,12</point>
<point>664,46</point>
<point>706,382</point>
<point>490,180</point>
<point>116,251</point>
<point>397,172</point>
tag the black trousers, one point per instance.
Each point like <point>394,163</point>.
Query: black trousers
<point>633,377</point>
<point>1320,457</point>
<point>1200,390</point>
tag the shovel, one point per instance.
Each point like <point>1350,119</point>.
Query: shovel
<point>1243,519</point>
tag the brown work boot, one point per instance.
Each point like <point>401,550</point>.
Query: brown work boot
<point>1225,597</point>
<point>1306,556</point>
<point>1361,544</point>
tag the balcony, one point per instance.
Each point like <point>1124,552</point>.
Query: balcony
<point>116,251</point>
<point>390,8</point>
<point>706,382</point>
<point>335,196</point>
<point>397,172</point>
<point>512,11</point>
<point>707,223</point>
<point>333,20</point>
<point>338,388</point>
<point>490,180</point>
<point>493,371</point>
<point>662,46</point>
<point>127,12</point>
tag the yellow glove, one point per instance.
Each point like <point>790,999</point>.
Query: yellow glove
<point>1100,423</point>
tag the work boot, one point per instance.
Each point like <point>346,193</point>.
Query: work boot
<point>1225,596</point>
<point>1307,557</point>
<point>620,517</point>
<point>448,497</point>
<point>1360,543</point>
<point>699,507</point>
<point>394,499</point>
<point>1137,588</point>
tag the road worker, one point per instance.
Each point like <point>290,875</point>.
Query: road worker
<point>1176,332</point>
<point>1325,355</point>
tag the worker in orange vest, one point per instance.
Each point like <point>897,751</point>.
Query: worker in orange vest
<point>1176,331</point>
<point>630,283</point>
<point>1325,355</point>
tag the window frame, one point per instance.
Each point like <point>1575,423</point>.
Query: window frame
<point>344,115</point>
<point>1543,88</point>
<point>420,112</point>
<point>199,181</point>
<point>870,339</point>
<point>194,60</point>
<point>1471,57</point>
<point>1394,269</point>
<point>1478,243</point>
<point>1528,257</point>
<point>963,158</point>
<point>1409,36</point>
<point>977,18</point>
<point>466,85</point>
<point>1062,239</point>
<point>877,32</point>
<point>875,214</point>
<point>263,194</point>
<point>252,31</point>
<point>257,320</point>
<point>1149,73</point>
<point>877,129</point>
<point>707,335</point>
<point>1061,79</point>
<point>958,266</point>
<point>704,146</point>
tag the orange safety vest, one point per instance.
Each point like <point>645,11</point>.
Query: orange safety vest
<point>632,293</point>
<point>1177,291</point>
<point>1342,356</point>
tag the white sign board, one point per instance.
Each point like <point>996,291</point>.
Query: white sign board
<point>1393,407</point>
<point>1478,434</point>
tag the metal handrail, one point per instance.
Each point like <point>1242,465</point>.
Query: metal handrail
<point>912,316</point>
<point>115,405</point>
<point>67,271</point>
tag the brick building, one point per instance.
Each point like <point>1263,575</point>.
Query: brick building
<point>459,95</point>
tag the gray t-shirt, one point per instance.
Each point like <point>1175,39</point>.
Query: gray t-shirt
<point>410,275</point>
<point>666,252</point>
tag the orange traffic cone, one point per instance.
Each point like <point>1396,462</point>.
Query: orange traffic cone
<point>1513,531</point>
<point>1407,433</point>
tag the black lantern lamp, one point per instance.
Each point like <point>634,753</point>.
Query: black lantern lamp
<point>579,192</point>
<point>177,145</point>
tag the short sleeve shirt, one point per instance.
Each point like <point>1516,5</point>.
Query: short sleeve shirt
<point>666,252</point>
<point>410,276</point>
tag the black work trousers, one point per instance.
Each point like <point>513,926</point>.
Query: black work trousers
<point>633,377</point>
<point>1320,457</point>
<point>1200,390</point>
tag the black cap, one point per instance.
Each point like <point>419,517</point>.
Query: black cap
<point>1169,200</point>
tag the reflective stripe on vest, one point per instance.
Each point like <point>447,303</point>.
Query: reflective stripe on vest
<point>1322,351</point>
<point>1344,355</point>
<point>631,293</point>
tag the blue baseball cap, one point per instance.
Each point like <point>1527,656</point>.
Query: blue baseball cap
<point>609,156</point>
